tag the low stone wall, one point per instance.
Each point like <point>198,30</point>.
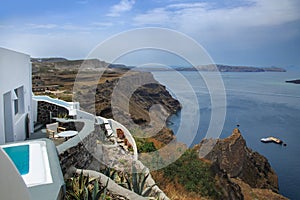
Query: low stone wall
<point>115,125</point>
<point>80,155</point>
<point>44,109</point>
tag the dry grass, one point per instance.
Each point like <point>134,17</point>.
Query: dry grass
<point>157,144</point>
<point>255,193</point>
<point>174,190</point>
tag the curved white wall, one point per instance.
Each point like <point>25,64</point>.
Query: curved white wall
<point>12,186</point>
<point>115,125</point>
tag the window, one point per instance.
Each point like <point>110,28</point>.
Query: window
<point>18,97</point>
<point>16,101</point>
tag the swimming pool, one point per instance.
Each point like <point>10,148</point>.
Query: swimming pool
<point>31,160</point>
<point>20,156</point>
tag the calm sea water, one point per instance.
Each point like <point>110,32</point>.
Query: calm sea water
<point>262,103</point>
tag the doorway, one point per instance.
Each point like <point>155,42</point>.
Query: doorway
<point>8,118</point>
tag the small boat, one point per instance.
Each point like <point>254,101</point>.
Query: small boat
<point>271,139</point>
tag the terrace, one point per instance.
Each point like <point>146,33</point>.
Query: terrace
<point>83,122</point>
<point>82,151</point>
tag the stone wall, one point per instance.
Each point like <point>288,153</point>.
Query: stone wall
<point>44,109</point>
<point>81,155</point>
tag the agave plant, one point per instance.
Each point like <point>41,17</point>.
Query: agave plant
<point>85,188</point>
<point>137,182</point>
<point>95,194</point>
<point>109,172</point>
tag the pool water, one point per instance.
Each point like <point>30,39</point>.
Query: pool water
<point>20,156</point>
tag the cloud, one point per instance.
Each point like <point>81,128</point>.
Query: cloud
<point>188,5</point>
<point>234,31</point>
<point>42,26</point>
<point>102,24</point>
<point>72,46</point>
<point>157,16</point>
<point>121,7</point>
<point>66,27</point>
<point>206,16</point>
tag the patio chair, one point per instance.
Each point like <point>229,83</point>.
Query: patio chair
<point>53,129</point>
<point>109,131</point>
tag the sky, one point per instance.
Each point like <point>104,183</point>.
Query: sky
<point>236,32</point>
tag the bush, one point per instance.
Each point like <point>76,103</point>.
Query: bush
<point>193,174</point>
<point>145,146</point>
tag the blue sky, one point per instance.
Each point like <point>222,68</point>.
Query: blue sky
<point>237,32</point>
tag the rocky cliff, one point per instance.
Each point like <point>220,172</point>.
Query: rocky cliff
<point>95,92</point>
<point>140,102</point>
<point>244,167</point>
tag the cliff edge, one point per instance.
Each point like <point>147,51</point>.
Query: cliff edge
<point>234,157</point>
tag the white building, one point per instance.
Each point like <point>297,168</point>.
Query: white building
<point>15,96</point>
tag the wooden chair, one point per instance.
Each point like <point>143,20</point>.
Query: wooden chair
<point>120,134</point>
<point>53,129</point>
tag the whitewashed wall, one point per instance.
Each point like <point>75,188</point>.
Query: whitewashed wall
<point>15,71</point>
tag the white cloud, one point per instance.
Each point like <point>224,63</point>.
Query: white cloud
<point>42,26</point>
<point>188,5</point>
<point>73,27</point>
<point>121,7</point>
<point>205,17</point>
<point>229,31</point>
<point>158,16</point>
<point>72,46</point>
<point>102,24</point>
<point>66,26</point>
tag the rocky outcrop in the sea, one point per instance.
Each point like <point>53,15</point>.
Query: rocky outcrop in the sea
<point>238,161</point>
<point>297,81</point>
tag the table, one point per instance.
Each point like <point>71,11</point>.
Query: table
<point>67,134</point>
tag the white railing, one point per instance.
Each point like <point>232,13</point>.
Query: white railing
<point>115,125</point>
<point>74,110</point>
<point>84,115</point>
<point>72,107</point>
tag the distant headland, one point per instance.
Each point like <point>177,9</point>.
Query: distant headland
<point>95,63</point>
<point>220,68</point>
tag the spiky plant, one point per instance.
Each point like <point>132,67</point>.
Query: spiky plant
<point>85,188</point>
<point>136,182</point>
<point>96,193</point>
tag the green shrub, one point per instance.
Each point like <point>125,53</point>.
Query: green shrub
<point>194,174</point>
<point>143,145</point>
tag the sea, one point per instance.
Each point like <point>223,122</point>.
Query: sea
<point>261,103</point>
